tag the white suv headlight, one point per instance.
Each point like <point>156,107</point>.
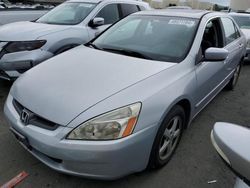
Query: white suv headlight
<point>109,126</point>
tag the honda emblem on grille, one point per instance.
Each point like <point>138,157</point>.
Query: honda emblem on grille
<point>25,116</point>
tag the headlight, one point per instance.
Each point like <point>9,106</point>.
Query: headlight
<point>112,125</point>
<point>24,46</point>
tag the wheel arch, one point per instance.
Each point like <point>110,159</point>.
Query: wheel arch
<point>185,103</point>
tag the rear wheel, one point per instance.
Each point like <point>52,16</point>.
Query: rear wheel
<point>167,138</point>
<point>234,80</point>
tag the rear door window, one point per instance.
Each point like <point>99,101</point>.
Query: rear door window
<point>128,9</point>
<point>231,34</point>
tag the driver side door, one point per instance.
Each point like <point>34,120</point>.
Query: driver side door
<point>210,75</point>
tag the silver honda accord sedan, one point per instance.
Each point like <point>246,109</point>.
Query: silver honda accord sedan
<point>120,103</point>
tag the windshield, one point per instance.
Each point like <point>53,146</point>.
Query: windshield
<point>67,14</point>
<point>242,21</point>
<point>151,37</point>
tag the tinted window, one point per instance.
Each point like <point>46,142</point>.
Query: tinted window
<point>153,37</point>
<point>229,29</point>
<point>128,9</point>
<point>110,14</point>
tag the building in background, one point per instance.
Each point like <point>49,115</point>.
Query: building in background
<point>240,5</point>
<point>195,4</point>
<point>162,3</point>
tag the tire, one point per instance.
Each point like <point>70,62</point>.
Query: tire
<point>234,80</point>
<point>167,138</point>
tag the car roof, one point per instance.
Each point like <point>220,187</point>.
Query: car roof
<point>98,1</point>
<point>176,12</point>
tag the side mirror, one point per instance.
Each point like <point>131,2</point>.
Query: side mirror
<point>232,144</point>
<point>216,54</point>
<point>96,22</point>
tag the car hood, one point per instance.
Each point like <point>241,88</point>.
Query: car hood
<point>23,31</point>
<point>65,86</point>
<point>246,32</point>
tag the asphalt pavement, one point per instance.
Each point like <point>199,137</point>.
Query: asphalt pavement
<point>194,164</point>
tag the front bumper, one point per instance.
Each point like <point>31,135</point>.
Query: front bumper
<point>12,65</point>
<point>92,159</point>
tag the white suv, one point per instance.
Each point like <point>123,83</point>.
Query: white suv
<point>26,44</point>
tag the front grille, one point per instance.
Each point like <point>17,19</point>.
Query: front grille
<point>34,118</point>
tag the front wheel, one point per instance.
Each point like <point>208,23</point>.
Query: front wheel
<point>167,138</point>
<point>234,80</point>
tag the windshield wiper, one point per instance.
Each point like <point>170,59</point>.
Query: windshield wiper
<point>90,44</point>
<point>128,52</point>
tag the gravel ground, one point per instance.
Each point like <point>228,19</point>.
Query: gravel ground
<point>194,164</point>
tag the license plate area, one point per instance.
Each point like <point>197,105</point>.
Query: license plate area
<point>22,139</point>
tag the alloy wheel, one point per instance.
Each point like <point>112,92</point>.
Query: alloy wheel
<point>170,137</point>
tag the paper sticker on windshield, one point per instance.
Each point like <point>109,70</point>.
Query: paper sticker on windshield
<point>188,23</point>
